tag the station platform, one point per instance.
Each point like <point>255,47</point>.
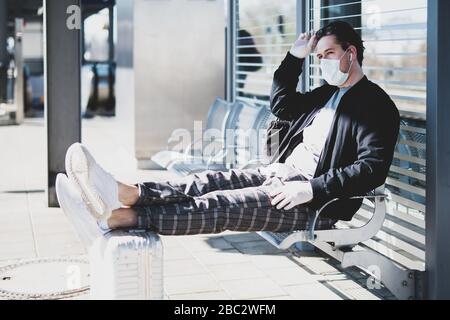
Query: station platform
<point>230,265</point>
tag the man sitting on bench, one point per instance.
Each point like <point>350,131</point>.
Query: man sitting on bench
<point>342,141</point>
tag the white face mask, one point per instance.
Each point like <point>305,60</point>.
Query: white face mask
<point>331,71</point>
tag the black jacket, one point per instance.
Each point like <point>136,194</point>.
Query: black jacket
<point>360,146</point>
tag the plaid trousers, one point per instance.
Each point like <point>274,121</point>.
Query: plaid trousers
<point>212,202</point>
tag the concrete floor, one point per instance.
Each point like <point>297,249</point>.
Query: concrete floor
<point>229,265</point>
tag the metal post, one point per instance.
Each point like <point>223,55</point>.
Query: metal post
<point>3,31</point>
<point>111,50</point>
<point>62,61</point>
<point>231,51</point>
<point>437,285</point>
<point>124,46</point>
<point>3,52</point>
<point>19,98</point>
<point>302,26</point>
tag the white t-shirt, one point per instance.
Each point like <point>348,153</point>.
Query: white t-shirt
<point>305,156</point>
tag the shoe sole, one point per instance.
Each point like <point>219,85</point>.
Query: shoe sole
<point>79,173</point>
<point>81,225</point>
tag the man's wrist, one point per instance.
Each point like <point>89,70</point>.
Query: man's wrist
<point>310,192</point>
<point>294,54</point>
<point>310,189</point>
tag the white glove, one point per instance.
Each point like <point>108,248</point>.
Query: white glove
<point>292,194</point>
<point>304,45</point>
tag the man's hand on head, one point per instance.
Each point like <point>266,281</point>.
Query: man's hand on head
<point>304,45</point>
<point>292,194</point>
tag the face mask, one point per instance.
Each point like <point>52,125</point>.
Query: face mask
<point>332,73</point>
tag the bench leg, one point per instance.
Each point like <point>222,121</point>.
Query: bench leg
<point>404,284</point>
<point>305,247</point>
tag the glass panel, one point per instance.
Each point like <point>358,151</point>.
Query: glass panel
<point>266,30</point>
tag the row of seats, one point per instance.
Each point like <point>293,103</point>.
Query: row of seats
<point>233,137</point>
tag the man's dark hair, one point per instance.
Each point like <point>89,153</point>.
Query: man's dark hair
<point>345,35</point>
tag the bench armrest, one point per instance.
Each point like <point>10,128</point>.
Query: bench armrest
<point>372,195</point>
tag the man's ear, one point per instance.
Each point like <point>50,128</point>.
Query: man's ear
<point>353,54</point>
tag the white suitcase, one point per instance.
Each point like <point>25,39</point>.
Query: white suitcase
<point>127,265</point>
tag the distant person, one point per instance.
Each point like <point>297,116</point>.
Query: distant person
<point>256,60</point>
<point>103,75</point>
<point>281,29</point>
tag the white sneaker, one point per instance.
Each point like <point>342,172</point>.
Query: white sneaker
<point>98,188</point>
<point>72,204</point>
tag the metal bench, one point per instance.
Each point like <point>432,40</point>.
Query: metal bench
<point>231,146</point>
<point>213,154</point>
<point>220,112</point>
<point>344,245</point>
<point>247,148</point>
